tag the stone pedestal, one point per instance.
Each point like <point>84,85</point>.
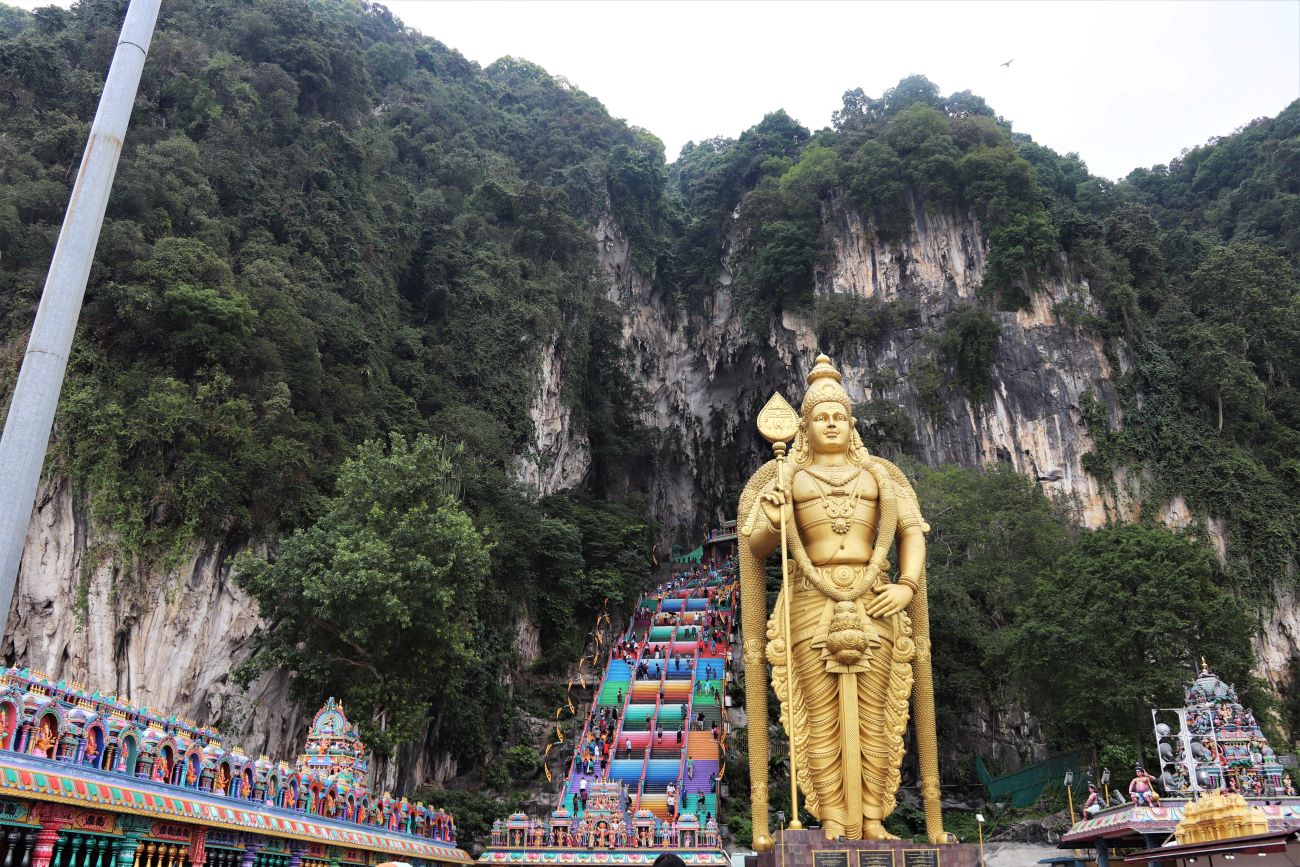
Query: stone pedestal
<point>810,848</point>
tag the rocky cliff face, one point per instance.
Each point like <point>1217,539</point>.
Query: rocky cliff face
<point>706,376</point>
<point>163,638</point>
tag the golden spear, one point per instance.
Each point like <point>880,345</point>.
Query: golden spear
<point>779,423</point>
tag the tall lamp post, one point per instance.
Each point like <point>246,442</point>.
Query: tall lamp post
<point>979,824</point>
<point>36,394</point>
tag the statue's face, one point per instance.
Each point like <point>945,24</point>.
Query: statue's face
<point>829,428</point>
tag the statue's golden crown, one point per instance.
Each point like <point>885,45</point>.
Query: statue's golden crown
<point>824,385</point>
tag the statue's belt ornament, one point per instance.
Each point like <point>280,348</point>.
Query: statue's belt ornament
<point>846,583</point>
<point>845,636</point>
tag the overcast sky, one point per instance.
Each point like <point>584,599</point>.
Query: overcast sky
<point>1124,84</point>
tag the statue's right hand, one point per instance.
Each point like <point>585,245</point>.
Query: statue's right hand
<point>773,501</point>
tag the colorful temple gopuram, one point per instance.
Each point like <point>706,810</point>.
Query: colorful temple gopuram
<point>1217,772</point>
<point>88,780</point>
<point>646,773</point>
<point>1228,747</point>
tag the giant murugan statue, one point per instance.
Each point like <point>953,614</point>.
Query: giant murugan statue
<point>860,640</point>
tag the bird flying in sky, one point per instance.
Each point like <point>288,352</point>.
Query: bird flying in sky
<point>1007,64</point>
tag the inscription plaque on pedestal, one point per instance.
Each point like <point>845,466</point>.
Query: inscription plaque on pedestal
<point>810,848</point>
<point>830,858</point>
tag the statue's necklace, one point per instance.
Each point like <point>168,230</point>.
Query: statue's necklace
<point>838,503</point>
<point>836,477</point>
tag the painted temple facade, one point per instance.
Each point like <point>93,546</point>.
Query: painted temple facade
<point>1210,750</point>
<point>1228,747</point>
<point>89,780</point>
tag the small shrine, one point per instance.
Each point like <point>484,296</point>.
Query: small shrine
<point>604,821</point>
<point>1228,746</point>
<point>560,828</point>
<point>334,747</point>
<point>1219,817</point>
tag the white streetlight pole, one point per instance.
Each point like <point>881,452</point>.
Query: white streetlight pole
<point>36,394</point>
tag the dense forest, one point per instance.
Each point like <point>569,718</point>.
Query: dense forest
<point>327,230</point>
<point>336,249</point>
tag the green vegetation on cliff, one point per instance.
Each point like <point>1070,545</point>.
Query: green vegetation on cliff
<point>327,230</point>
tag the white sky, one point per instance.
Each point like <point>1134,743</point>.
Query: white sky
<point>1125,84</point>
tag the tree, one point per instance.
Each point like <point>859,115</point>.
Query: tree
<point>857,110</point>
<point>844,320</point>
<point>922,137</point>
<point>13,21</point>
<point>910,91</point>
<point>1216,369</point>
<point>1117,627</point>
<point>1132,233</point>
<point>1254,290</point>
<point>375,602</point>
<point>966,104</point>
<point>1019,252</point>
<point>970,340</point>
<point>810,180</point>
<point>873,179</point>
<point>638,179</point>
<point>993,530</point>
<point>784,255</point>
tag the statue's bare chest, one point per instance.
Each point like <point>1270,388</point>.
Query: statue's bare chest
<point>836,501</point>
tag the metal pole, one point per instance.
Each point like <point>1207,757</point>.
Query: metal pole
<point>36,394</point>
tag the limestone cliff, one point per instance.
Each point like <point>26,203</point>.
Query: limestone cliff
<point>706,376</point>
<point>168,638</point>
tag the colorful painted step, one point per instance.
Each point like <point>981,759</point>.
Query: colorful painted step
<point>700,781</point>
<point>702,746</point>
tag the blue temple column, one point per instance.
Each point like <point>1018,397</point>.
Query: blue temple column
<point>1103,854</point>
<point>133,828</point>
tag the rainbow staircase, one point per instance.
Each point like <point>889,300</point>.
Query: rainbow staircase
<point>668,701</point>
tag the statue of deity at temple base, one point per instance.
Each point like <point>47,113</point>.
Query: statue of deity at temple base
<point>856,646</point>
<point>47,738</point>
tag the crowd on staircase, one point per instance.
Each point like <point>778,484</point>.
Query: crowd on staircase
<point>648,764</point>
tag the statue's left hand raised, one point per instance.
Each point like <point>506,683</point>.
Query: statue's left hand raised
<point>890,601</point>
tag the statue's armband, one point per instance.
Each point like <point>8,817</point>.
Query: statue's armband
<point>909,513</point>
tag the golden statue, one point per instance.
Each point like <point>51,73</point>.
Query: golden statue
<point>861,641</point>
